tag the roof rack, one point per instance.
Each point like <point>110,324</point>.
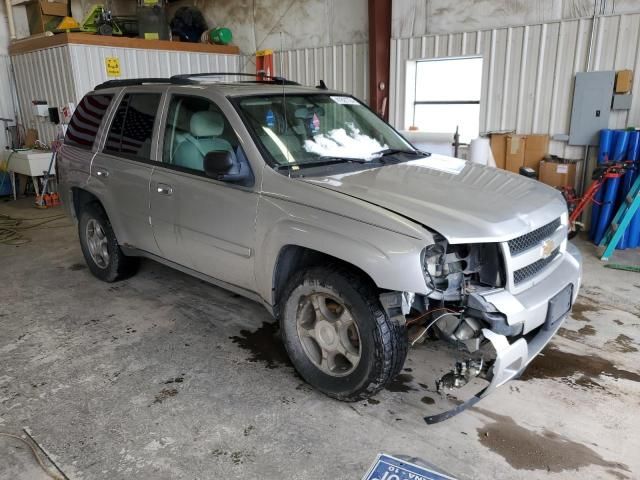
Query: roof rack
<point>190,79</point>
<point>260,78</point>
<point>139,81</point>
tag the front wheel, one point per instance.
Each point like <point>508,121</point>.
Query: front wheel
<point>337,334</point>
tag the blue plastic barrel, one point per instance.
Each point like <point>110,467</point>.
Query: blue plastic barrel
<point>606,144</point>
<point>633,151</point>
<point>607,208</point>
<point>634,232</point>
<point>595,212</point>
<point>627,182</point>
<point>620,145</point>
<point>604,153</point>
<point>633,239</point>
<point>5,184</point>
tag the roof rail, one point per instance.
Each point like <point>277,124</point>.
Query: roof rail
<point>189,79</point>
<point>259,77</point>
<point>139,81</point>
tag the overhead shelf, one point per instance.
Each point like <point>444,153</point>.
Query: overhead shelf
<point>40,42</point>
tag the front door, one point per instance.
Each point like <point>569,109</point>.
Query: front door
<point>202,223</point>
<point>121,171</point>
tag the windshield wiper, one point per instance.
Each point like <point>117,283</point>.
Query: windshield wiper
<point>395,151</point>
<point>325,160</point>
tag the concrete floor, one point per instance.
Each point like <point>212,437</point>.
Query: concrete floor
<point>164,376</point>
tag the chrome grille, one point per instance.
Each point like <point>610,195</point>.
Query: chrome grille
<point>525,273</point>
<point>531,239</point>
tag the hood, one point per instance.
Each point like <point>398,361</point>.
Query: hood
<point>462,201</point>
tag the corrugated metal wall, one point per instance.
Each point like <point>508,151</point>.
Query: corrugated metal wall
<point>43,75</point>
<point>88,64</point>
<point>65,74</point>
<point>342,67</point>
<point>528,71</point>
<point>6,94</point>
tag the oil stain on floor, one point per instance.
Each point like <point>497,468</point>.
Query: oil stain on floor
<point>586,331</point>
<point>402,383</point>
<point>555,363</point>
<point>264,345</point>
<point>525,449</point>
<point>580,308</point>
<point>623,343</point>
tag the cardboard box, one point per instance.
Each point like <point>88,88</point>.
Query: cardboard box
<point>557,174</point>
<point>499,148</point>
<point>514,157</point>
<point>624,80</point>
<point>45,15</point>
<point>535,149</point>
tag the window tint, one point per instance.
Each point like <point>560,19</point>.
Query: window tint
<point>85,123</point>
<point>132,126</point>
<point>196,126</point>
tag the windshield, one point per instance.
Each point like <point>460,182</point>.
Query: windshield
<point>311,129</point>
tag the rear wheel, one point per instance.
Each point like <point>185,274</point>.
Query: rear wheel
<point>337,334</point>
<point>100,246</point>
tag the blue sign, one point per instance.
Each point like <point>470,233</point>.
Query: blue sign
<point>387,467</point>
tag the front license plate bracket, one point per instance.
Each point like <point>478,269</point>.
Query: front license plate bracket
<point>559,306</point>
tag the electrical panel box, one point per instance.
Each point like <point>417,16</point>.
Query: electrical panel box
<point>622,102</point>
<point>591,106</point>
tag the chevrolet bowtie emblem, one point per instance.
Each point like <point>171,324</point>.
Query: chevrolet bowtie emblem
<point>548,247</point>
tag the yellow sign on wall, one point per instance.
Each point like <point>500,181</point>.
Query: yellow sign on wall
<point>113,66</point>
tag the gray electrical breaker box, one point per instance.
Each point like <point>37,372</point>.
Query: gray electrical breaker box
<point>591,106</point>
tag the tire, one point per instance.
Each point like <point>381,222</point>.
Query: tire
<point>332,297</point>
<point>107,262</point>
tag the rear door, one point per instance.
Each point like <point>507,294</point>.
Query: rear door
<point>202,223</point>
<point>121,171</point>
<point>73,163</point>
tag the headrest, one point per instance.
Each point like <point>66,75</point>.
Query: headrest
<point>206,124</point>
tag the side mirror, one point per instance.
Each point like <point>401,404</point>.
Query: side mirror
<point>218,164</point>
<point>226,166</point>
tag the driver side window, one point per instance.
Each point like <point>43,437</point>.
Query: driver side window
<point>196,126</point>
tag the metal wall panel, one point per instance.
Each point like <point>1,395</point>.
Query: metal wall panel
<point>342,67</point>
<point>43,75</point>
<point>88,63</point>
<point>529,71</point>
<point>6,96</point>
<point>65,74</point>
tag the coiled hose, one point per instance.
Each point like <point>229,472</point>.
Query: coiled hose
<point>11,229</point>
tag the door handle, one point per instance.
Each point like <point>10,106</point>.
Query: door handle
<point>164,189</point>
<point>102,173</point>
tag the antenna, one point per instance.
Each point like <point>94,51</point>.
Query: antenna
<point>284,99</point>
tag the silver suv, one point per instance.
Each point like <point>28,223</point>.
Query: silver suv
<point>304,200</point>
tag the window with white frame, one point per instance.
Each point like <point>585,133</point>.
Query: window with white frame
<point>447,95</point>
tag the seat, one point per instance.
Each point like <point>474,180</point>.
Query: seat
<point>205,128</point>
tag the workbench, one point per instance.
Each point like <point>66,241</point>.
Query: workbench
<point>32,163</point>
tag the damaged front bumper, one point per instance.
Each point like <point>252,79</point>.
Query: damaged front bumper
<point>540,319</point>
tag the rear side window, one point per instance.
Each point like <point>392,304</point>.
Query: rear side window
<point>86,121</point>
<point>132,126</point>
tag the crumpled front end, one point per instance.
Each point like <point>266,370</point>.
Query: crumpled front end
<point>497,304</point>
